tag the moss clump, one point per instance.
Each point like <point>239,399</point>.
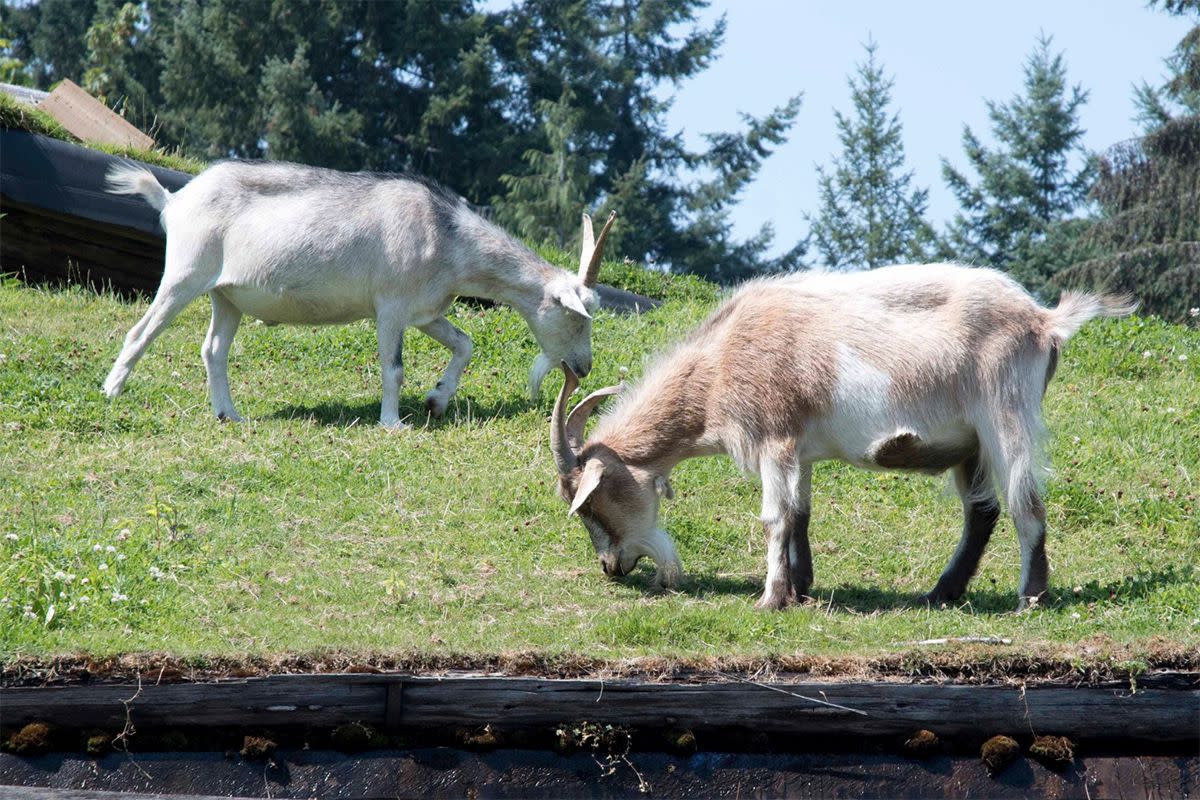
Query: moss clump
<point>681,742</point>
<point>352,737</point>
<point>97,743</point>
<point>479,738</point>
<point>257,747</point>
<point>31,740</point>
<point>921,744</point>
<point>998,752</point>
<point>608,739</point>
<point>1056,752</point>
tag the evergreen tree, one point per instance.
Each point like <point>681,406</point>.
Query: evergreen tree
<point>870,215</point>
<point>543,204</point>
<point>446,89</point>
<point>300,125</point>
<point>1027,184</point>
<point>48,37</point>
<point>1147,239</point>
<point>1180,94</point>
<point>617,56</point>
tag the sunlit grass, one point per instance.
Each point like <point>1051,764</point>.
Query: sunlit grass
<point>145,525</point>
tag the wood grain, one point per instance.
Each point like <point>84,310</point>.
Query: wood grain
<point>1113,711</point>
<point>89,119</point>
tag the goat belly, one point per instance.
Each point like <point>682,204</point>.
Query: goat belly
<point>298,307</point>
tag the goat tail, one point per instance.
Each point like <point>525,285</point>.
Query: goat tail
<point>133,179</point>
<point>1076,308</point>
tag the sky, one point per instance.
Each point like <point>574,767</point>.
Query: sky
<point>946,58</point>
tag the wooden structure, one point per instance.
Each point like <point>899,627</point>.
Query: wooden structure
<point>90,120</point>
<point>1161,709</point>
<point>60,224</point>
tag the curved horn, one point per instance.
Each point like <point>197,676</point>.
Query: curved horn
<point>564,455</point>
<point>579,416</point>
<point>592,252</point>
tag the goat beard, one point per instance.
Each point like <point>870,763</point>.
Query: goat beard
<point>537,373</point>
<point>661,550</point>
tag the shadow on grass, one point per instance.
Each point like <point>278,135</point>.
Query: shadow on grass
<point>412,412</point>
<point>978,599</point>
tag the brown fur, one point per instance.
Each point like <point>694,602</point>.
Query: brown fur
<point>774,368</point>
<point>920,368</point>
<point>907,451</point>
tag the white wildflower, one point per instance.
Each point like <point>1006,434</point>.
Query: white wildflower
<point>85,580</point>
<point>120,556</point>
<point>1183,356</point>
<point>60,576</point>
<point>124,534</point>
<point>1146,354</point>
<point>1194,312</point>
<point>12,537</point>
<point>103,567</point>
<point>85,599</point>
<point>157,573</point>
<point>95,548</point>
<point>110,549</point>
<point>28,614</point>
<point>119,598</point>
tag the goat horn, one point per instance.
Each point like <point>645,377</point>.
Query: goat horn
<point>593,252</point>
<point>579,416</point>
<point>588,245</point>
<point>564,455</point>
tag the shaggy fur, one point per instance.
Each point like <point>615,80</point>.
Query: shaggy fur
<point>920,367</point>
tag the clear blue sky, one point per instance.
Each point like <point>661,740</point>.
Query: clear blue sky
<point>946,58</point>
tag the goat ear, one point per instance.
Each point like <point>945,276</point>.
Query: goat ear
<point>663,487</point>
<point>569,298</point>
<point>588,481</point>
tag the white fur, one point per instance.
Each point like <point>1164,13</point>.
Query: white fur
<point>291,244</point>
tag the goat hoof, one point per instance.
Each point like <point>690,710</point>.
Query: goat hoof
<point>937,599</point>
<point>1028,603</point>
<point>392,426</point>
<point>773,603</point>
<point>436,404</point>
<point>232,416</point>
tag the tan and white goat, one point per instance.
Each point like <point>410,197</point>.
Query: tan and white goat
<point>922,368</point>
<point>299,245</point>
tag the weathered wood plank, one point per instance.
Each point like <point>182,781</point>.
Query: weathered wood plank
<point>89,119</point>
<point>54,793</point>
<point>1152,715</point>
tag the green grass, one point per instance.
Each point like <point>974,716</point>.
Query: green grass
<point>143,524</point>
<point>22,117</point>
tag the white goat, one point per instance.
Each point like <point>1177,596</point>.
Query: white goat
<point>294,244</point>
<point>922,367</point>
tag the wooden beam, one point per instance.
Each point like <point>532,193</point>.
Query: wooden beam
<point>888,709</point>
<point>89,119</point>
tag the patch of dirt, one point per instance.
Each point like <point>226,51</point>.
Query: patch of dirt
<point>1091,662</point>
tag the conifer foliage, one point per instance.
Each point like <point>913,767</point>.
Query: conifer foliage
<point>1147,239</point>
<point>870,213</point>
<point>464,93</point>
<point>1017,214</point>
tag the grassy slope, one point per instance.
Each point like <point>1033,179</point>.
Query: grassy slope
<point>22,117</point>
<point>148,526</point>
